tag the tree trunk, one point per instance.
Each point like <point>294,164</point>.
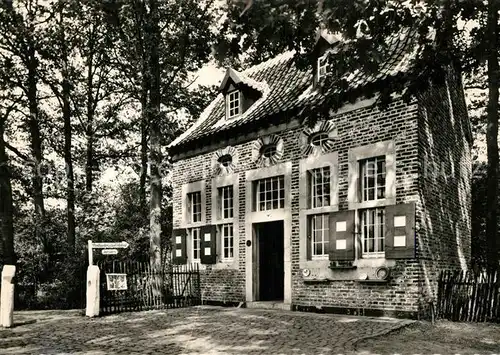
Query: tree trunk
<point>492,137</point>
<point>144,138</point>
<point>89,130</point>
<point>36,145</point>
<point>7,225</point>
<point>155,155</point>
<point>68,158</point>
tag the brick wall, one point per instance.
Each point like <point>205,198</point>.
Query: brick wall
<point>399,122</point>
<point>366,126</point>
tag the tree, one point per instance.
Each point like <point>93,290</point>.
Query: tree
<point>160,43</point>
<point>61,40</point>
<point>267,28</point>
<point>6,206</point>
<point>20,37</point>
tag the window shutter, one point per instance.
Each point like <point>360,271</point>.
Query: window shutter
<point>342,236</point>
<point>208,244</point>
<point>179,239</point>
<point>400,231</point>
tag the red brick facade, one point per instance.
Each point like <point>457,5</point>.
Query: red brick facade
<point>429,139</point>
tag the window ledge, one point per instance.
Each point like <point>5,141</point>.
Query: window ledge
<point>224,220</point>
<point>320,210</point>
<point>315,264</point>
<point>193,224</point>
<point>342,267</point>
<point>371,204</point>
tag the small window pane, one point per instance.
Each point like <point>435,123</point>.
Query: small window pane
<point>196,241</point>
<point>373,230</point>
<point>373,178</point>
<point>319,230</point>
<point>194,200</point>
<point>320,187</point>
<point>227,241</point>
<point>233,103</point>
<point>270,192</point>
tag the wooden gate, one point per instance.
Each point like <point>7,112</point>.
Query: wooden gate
<point>135,286</point>
<point>469,297</point>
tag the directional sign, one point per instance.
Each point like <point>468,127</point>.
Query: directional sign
<point>110,245</point>
<point>109,251</point>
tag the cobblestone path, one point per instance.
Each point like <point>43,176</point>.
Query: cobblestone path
<point>196,330</point>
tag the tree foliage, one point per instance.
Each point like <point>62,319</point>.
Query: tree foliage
<point>463,35</point>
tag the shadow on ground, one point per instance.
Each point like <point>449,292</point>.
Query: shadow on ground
<point>197,330</point>
<point>441,338</point>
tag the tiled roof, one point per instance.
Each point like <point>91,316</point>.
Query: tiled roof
<point>284,87</point>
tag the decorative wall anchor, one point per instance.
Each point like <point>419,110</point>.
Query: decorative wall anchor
<point>224,161</point>
<point>267,150</point>
<point>318,139</point>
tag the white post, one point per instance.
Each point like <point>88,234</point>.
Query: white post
<point>7,296</point>
<point>93,297</point>
<point>91,261</point>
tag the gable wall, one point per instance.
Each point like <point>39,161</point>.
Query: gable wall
<point>445,183</point>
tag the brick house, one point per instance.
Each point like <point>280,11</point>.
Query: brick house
<point>356,213</point>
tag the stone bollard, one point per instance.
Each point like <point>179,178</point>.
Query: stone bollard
<point>7,296</point>
<point>93,278</point>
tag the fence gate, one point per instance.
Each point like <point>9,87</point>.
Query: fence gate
<point>469,297</point>
<point>135,286</point>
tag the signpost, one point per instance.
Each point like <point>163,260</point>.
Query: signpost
<point>110,248</point>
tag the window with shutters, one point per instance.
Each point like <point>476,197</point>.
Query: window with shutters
<point>195,234</point>
<point>373,231</point>
<point>194,202</point>
<point>318,198</point>
<point>319,236</point>
<point>270,193</point>
<point>320,187</point>
<point>226,201</point>
<point>227,241</point>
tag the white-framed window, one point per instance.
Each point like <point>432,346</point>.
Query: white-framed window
<point>373,231</point>
<point>226,201</point>
<point>194,200</point>
<point>322,66</point>
<point>195,244</point>
<point>320,187</point>
<point>270,193</point>
<point>319,139</point>
<point>319,232</point>
<point>373,178</point>
<point>227,236</point>
<point>233,104</point>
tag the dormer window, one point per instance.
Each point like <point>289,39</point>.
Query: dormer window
<point>233,104</point>
<point>322,66</point>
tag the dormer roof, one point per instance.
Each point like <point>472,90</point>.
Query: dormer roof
<point>327,36</point>
<point>286,88</point>
<point>239,78</point>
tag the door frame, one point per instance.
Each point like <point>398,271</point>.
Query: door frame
<point>257,227</point>
<point>253,217</point>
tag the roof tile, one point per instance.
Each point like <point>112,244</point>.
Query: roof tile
<point>288,88</point>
